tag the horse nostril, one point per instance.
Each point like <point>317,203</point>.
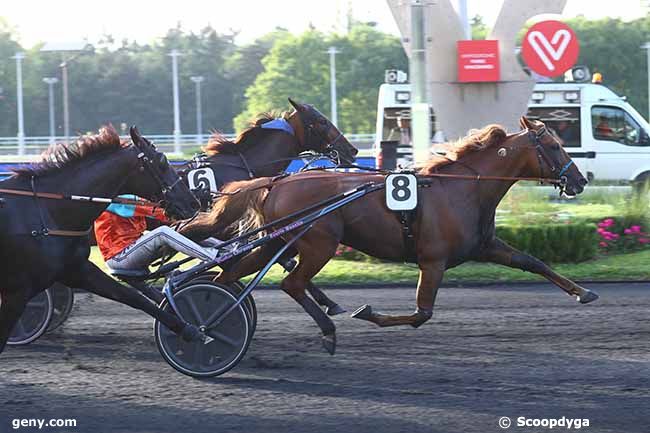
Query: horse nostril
<point>583,182</point>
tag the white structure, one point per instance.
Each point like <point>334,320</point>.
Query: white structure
<point>177,112</point>
<point>51,81</point>
<point>19,102</point>
<point>197,80</point>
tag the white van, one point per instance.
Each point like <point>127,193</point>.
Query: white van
<point>606,137</point>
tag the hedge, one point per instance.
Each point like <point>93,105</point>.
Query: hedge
<point>556,243</point>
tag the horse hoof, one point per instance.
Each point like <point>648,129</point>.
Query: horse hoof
<point>364,312</point>
<point>334,310</point>
<point>329,343</point>
<point>588,297</point>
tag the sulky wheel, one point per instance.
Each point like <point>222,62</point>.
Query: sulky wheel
<point>235,288</point>
<point>63,299</point>
<point>34,320</point>
<point>251,306</point>
<point>228,340</point>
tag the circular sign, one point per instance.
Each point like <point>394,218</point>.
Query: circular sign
<point>550,48</point>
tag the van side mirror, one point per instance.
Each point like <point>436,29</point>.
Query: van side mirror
<point>644,139</point>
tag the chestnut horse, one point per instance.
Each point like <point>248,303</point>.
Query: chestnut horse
<point>454,221</point>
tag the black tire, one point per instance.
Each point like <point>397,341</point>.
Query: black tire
<point>250,304</point>
<point>63,300</point>
<point>34,320</point>
<point>231,336</point>
<point>238,286</point>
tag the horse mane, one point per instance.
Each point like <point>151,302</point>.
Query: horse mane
<point>219,144</point>
<point>60,155</point>
<point>475,141</point>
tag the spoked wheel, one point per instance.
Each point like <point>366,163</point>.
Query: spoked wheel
<point>63,299</point>
<point>34,320</point>
<point>235,288</point>
<point>228,340</point>
<point>251,307</point>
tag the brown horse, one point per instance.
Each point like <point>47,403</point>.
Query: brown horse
<point>454,221</point>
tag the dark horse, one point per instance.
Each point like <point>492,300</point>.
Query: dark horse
<point>453,223</point>
<point>44,239</point>
<point>267,147</point>
<point>260,151</point>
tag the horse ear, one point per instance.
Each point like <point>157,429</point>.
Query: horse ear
<point>135,135</point>
<point>295,105</point>
<point>524,122</point>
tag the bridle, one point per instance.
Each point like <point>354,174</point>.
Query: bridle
<point>543,158</point>
<point>311,131</point>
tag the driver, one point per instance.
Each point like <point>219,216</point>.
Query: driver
<point>125,247</point>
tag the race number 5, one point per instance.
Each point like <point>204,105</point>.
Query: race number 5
<point>202,178</point>
<point>401,191</point>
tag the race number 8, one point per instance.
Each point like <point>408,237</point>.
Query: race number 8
<point>202,178</point>
<point>401,191</point>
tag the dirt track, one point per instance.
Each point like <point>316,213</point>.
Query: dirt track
<point>488,352</point>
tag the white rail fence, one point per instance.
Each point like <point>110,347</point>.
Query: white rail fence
<point>189,143</point>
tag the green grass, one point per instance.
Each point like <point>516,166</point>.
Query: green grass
<point>632,267</point>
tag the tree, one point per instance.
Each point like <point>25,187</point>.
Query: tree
<point>298,67</point>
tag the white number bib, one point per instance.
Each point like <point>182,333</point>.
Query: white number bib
<point>202,178</point>
<point>401,191</point>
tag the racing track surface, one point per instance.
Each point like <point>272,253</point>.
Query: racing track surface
<point>488,352</point>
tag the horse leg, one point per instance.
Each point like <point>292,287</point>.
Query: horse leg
<point>501,253</point>
<point>331,307</point>
<point>93,279</point>
<point>430,278</point>
<point>312,260</point>
<point>13,305</point>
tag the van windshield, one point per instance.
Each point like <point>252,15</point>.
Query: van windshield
<point>396,125</point>
<point>563,121</point>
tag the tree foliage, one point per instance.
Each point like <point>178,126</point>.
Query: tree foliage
<point>129,83</point>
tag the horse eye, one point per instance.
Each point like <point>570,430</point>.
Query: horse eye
<point>555,146</point>
<point>323,122</point>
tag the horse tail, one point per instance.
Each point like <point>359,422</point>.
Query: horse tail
<point>240,209</point>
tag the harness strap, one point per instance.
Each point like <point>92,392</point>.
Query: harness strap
<point>406,218</point>
<point>251,175</point>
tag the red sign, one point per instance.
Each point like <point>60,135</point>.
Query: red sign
<point>478,61</point>
<point>550,48</point>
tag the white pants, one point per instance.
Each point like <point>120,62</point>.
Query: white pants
<point>154,244</point>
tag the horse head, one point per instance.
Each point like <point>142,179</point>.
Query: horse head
<point>158,181</point>
<point>321,135</point>
<point>550,159</point>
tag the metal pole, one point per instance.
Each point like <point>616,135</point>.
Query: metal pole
<point>199,115</point>
<point>420,119</point>
<point>646,46</point>
<point>66,102</point>
<point>332,51</point>
<point>50,90</point>
<point>19,102</point>
<point>464,19</point>
<point>177,114</point>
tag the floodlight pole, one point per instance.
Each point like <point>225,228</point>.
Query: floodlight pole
<point>199,116</point>
<point>464,19</point>
<point>646,46</point>
<point>177,114</point>
<point>51,81</point>
<point>66,101</point>
<point>19,102</point>
<point>420,118</point>
<point>332,51</point>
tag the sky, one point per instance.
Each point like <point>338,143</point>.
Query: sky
<point>145,20</point>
